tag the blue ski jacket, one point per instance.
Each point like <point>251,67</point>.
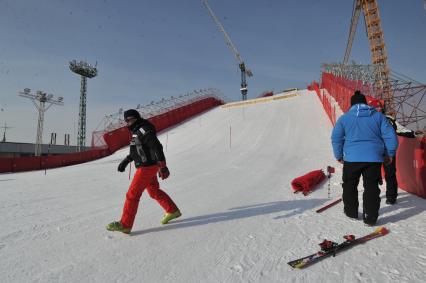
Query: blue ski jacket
<point>363,135</point>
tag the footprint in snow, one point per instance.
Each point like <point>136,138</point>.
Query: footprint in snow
<point>237,268</point>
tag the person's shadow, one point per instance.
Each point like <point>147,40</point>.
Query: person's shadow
<point>408,205</point>
<point>293,207</point>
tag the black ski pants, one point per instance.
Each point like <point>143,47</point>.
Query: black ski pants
<point>371,175</point>
<point>391,182</point>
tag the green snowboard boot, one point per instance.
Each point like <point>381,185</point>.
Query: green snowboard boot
<point>170,216</point>
<point>116,226</point>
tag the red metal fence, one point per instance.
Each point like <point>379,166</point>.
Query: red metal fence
<point>115,140</point>
<point>120,137</point>
<point>411,153</point>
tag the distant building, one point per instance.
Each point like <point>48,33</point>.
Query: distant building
<point>15,149</point>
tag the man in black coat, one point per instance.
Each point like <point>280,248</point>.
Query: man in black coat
<point>390,168</point>
<point>147,153</point>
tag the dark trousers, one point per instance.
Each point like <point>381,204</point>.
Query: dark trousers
<point>371,175</point>
<point>391,182</point>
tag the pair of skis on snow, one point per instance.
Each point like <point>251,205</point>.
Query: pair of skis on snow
<point>329,248</point>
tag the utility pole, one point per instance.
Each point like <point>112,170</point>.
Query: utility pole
<point>5,127</point>
<point>42,98</point>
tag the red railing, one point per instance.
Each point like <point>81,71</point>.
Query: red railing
<point>411,153</point>
<point>120,137</point>
<point>115,140</point>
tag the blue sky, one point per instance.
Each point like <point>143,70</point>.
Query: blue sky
<point>148,50</point>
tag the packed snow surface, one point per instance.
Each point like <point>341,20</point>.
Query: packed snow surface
<point>231,170</point>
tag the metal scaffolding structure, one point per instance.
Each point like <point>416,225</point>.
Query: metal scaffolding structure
<point>409,95</point>
<point>114,121</point>
<point>85,70</point>
<point>42,99</point>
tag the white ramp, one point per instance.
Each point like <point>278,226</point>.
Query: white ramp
<point>231,170</point>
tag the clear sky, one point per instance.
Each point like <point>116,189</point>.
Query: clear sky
<point>149,50</point>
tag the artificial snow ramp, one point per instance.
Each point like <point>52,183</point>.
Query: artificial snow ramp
<point>231,170</point>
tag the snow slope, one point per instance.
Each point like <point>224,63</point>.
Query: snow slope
<point>231,170</point>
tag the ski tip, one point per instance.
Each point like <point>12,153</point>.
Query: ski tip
<point>382,230</point>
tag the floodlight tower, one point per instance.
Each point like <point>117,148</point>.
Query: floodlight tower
<point>42,98</point>
<point>85,70</point>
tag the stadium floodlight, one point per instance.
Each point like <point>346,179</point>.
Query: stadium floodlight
<point>85,70</point>
<point>42,98</point>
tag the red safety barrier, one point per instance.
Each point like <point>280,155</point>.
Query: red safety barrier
<point>121,137</point>
<point>411,153</point>
<point>26,164</point>
<point>20,164</point>
<point>115,140</point>
<point>326,102</point>
<point>266,94</point>
<point>411,165</point>
<point>6,164</point>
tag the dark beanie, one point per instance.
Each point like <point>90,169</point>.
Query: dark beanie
<point>358,97</point>
<point>132,113</point>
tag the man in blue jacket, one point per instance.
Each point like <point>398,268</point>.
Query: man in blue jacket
<point>362,140</point>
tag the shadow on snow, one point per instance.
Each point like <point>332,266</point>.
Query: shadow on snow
<point>407,206</point>
<point>293,207</point>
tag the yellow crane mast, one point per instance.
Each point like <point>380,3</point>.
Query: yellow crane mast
<point>377,47</point>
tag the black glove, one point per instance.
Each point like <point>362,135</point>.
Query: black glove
<point>164,172</point>
<point>123,164</point>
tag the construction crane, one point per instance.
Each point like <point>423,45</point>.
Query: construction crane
<point>377,47</point>
<point>228,41</point>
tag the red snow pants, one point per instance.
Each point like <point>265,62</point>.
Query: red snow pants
<point>144,178</point>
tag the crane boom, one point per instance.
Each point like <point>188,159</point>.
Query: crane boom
<point>354,23</point>
<point>228,41</point>
<point>222,29</point>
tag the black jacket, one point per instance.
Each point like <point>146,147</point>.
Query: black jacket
<point>145,148</point>
<point>400,129</point>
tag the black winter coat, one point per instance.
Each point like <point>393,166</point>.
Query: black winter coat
<point>399,129</point>
<point>145,148</point>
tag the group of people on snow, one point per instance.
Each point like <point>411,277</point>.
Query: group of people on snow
<point>363,140</point>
